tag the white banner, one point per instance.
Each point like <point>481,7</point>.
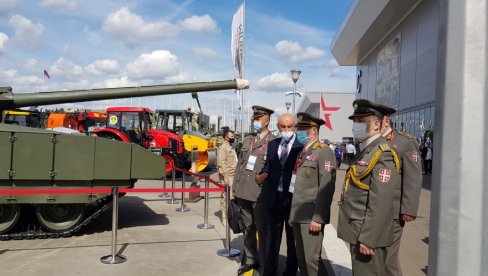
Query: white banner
<point>237,46</point>
<point>237,42</point>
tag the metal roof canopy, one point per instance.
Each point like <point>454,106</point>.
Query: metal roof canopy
<point>365,27</point>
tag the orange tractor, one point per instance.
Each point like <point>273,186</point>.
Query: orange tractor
<point>81,121</point>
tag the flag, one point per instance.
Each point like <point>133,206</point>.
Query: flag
<point>46,74</point>
<point>237,46</point>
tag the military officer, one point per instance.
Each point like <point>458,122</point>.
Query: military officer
<point>367,205</point>
<point>312,185</point>
<point>251,160</point>
<point>406,197</point>
<point>226,162</point>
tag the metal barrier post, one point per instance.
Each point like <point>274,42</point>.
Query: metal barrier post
<point>173,177</point>
<point>114,258</point>
<point>206,224</point>
<point>165,194</point>
<point>183,207</point>
<point>227,251</point>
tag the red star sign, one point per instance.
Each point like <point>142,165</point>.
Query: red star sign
<point>326,109</point>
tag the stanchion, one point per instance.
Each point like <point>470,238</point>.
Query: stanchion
<point>183,207</point>
<point>227,251</point>
<point>206,224</point>
<point>114,258</point>
<point>173,177</point>
<point>164,195</point>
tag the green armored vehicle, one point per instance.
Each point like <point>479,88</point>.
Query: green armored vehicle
<point>36,159</point>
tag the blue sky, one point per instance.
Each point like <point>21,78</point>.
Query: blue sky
<point>93,44</point>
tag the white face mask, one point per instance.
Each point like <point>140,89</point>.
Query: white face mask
<point>287,135</point>
<point>359,131</point>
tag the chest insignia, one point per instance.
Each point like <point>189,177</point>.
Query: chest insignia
<point>362,163</point>
<point>311,157</point>
<point>308,172</point>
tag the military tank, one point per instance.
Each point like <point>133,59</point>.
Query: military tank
<point>33,159</point>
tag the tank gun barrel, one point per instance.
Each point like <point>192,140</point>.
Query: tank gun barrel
<point>10,100</point>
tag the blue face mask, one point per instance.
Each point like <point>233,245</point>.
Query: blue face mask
<point>257,126</point>
<point>302,136</point>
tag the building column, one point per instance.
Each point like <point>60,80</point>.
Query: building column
<point>458,243</point>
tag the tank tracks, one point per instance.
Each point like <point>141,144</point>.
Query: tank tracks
<point>35,231</point>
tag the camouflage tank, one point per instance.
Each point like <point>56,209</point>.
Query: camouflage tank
<point>33,159</point>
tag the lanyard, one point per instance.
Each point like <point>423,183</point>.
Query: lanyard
<point>261,147</point>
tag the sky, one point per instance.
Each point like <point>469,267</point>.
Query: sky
<point>113,43</point>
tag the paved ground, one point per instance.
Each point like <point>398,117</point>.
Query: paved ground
<point>157,240</point>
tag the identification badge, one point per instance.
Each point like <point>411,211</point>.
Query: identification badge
<point>251,162</point>
<point>291,189</point>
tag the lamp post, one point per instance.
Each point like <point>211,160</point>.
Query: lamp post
<point>295,74</point>
<point>287,104</point>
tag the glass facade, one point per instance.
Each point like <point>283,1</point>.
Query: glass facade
<point>419,123</point>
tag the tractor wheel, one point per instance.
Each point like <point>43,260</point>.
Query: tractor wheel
<point>171,162</point>
<point>9,216</point>
<point>60,217</point>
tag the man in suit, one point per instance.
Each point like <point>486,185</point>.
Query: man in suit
<point>367,202</point>
<point>275,198</point>
<point>252,157</point>
<point>312,184</point>
<point>407,194</point>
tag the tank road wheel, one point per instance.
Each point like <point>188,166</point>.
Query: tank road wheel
<point>59,217</point>
<point>9,216</point>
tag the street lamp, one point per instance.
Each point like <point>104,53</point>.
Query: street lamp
<point>288,104</point>
<point>295,74</point>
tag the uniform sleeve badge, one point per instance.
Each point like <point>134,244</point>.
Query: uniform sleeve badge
<point>415,156</point>
<point>384,175</point>
<point>328,166</point>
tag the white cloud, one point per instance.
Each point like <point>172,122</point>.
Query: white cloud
<point>204,52</point>
<point>131,29</point>
<point>333,63</point>
<point>65,69</point>
<point>292,51</point>
<point>60,4</point>
<point>67,48</point>
<point>26,32</point>
<point>32,65</point>
<point>337,73</point>
<point>119,82</point>
<point>158,64</point>
<point>11,77</point>
<point>199,23</point>
<point>3,42</point>
<point>7,6</point>
<point>102,67</point>
<point>275,82</point>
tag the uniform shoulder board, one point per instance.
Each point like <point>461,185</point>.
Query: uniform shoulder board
<point>384,147</point>
<point>409,136</point>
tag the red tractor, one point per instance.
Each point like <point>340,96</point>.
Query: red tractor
<point>133,125</point>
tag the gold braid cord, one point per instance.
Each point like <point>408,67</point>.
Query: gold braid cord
<point>356,177</point>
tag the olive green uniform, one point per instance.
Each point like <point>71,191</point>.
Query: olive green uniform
<point>406,196</point>
<point>226,162</point>
<point>367,211</point>
<point>312,197</point>
<point>247,191</point>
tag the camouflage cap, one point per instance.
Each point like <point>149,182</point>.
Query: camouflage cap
<point>364,107</point>
<point>307,120</point>
<point>259,111</point>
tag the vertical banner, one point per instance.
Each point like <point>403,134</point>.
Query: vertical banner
<point>237,45</point>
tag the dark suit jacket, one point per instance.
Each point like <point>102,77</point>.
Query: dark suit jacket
<point>273,167</point>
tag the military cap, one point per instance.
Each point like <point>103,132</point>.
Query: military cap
<point>307,120</point>
<point>364,107</point>
<point>259,111</point>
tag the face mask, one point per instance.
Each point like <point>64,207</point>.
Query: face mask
<point>232,140</point>
<point>257,126</point>
<point>302,137</point>
<point>287,135</point>
<point>359,131</point>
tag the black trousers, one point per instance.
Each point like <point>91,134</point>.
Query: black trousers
<point>277,218</point>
